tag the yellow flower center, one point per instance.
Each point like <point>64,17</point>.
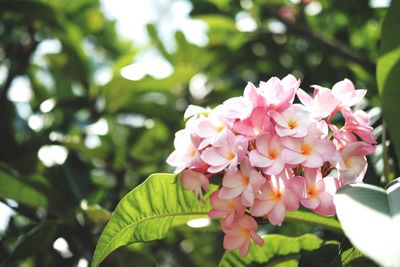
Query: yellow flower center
<point>273,154</point>
<point>306,149</point>
<point>292,124</point>
<point>230,155</point>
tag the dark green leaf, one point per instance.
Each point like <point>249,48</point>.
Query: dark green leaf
<point>388,70</point>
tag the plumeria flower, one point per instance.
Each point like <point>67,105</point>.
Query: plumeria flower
<point>316,193</point>
<point>275,198</point>
<point>225,156</point>
<point>353,164</point>
<point>243,106</point>
<point>195,181</point>
<point>294,121</point>
<point>279,94</point>
<point>358,123</point>
<point>214,129</point>
<point>243,182</point>
<point>268,154</point>
<point>185,154</point>
<point>322,105</point>
<point>227,209</point>
<point>342,137</point>
<point>240,235</point>
<point>346,93</point>
<point>310,151</point>
<point>194,111</point>
<point>257,123</point>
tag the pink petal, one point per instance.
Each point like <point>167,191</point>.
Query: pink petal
<point>291,157</point>
<point>277,214</point>
<point>233,242</point>
<point>314,160</point>
<point>257,239</point>
<point>247,196</point>
<point>310,203</point>
<point>234,180</point>
<point>244,249</point>
<point>304,98</point>
<point>259,160</point>
<point>261,208</point>
<point>229,193</point>
<point>278,118</point>
<point>276,168</point>
<point>212,157</point>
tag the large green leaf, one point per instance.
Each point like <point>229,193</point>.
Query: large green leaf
<point>388,69</point>
<point>277,248</point>
<point>14,188</point>
<point>370,218</point>
<point>147,212</point>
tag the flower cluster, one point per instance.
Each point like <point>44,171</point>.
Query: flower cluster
<point>273,154</point>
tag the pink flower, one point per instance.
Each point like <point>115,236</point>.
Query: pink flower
<point>316,193</point>
<point>194,111</point>
<point>268,154</point>
<point>257,123</point>
<point>243,182</point>
<point>323,103</point>
<point>240,234</point>
<point>342,137</point>
<point>242,107</point>
<point>214,129</point>
<point>227,209</point>
<point>185,154</point>
<point>279,94</point>
<point>275,198</point>
<point>225,156</point>
<point>345,92</point>
<point>353,164</point>
<point>358,123</point>
<point>294,121</point>
<point>310,151</point>
<point>195,181</point>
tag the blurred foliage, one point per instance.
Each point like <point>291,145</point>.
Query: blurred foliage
<point>65,51</point>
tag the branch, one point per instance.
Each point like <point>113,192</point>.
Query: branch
<point>330,45</point>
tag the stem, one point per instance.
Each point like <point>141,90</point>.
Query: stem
<point>386,176</point>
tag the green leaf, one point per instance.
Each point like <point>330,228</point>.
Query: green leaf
<point>39,239</point>
<point>147,212</point>
<point>96,213</point>
<point>14,188</point>
<point>327,255</point>
<point>354,258</point>
<point>370,218</point>
<point>314,219</point>
<point>388,69</point>
<point>277,248</point>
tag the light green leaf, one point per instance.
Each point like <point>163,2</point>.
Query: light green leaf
<point>147,212</point>
<point>314,219</point>
<point>96,213</point>
<point>388,69</point>
<point>14,188</point>
<point>370,218</point>
<point>277,248</point>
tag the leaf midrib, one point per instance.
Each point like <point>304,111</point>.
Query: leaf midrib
<point>150,218</point>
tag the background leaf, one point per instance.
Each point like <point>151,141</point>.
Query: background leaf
<point>388,70</point>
